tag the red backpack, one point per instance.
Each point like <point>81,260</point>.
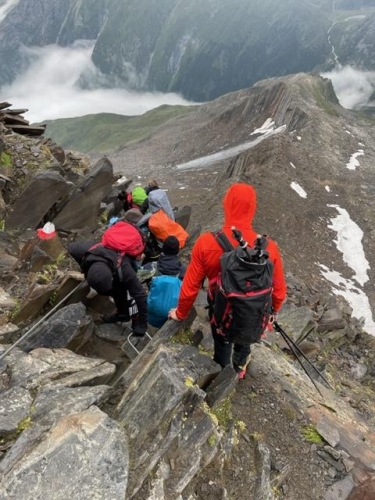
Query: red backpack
<point>124,238</point>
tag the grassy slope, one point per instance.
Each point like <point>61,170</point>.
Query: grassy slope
<point>106,132</point>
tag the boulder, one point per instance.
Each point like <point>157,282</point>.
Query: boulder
<point>52,403</point>
<point>34,303</point>
<point>59,367</point>
<point>340,490</point>
<point>223,385</point>
<point>295,320</point>
<point>36,200</point>
<point>263,487</point>
<point>59,330</point>
<point>8,333</point>
<point>14,408</point>
<point>6,301</point>
<point>83,457</point>
<point>182,216</point>
<point>82,208</point>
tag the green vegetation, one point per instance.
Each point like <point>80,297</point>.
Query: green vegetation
<point>105,132</point>
<point>182,337</point>
<point>312,435</point>
<point>5,160</point>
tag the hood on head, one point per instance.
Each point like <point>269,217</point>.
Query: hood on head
<point>240,203</point>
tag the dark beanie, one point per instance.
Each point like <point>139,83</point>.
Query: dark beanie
<point>171,246</point>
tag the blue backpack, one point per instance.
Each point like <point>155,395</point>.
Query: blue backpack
<point>163,296</point>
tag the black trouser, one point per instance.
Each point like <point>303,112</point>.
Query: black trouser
<point>226,353</point>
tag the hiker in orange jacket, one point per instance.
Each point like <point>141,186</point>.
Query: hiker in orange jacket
<point>239,209</point>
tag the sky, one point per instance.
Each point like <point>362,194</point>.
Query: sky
<point>50,87</point>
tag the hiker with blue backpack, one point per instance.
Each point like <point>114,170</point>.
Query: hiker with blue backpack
<point>246,280</point>
<point>166,284</point>
<point>110,268</point>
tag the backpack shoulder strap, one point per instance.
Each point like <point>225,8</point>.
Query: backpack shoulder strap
<point>223,241</point>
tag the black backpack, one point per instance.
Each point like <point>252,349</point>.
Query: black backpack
<point>240,298</point>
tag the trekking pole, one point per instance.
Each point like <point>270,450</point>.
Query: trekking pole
<point>5,353</point>
<point>297,351</point>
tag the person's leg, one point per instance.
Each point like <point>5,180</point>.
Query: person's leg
<point>100,278</point>
<point>222,349</point>
<point>241,358</point>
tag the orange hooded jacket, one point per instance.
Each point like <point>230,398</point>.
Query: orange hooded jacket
<point>239,208</point>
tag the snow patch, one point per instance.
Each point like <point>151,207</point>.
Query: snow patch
<point>205,161</point>
<point>349,243</point>
<point>353,162</point>
<point>267,126</point>
<point>299,138</point>
<point>328,189</point>
<point>298,189</point>
<point>354,295</point>
<point>292,165</point>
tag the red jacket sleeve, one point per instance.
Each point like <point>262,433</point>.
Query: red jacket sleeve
<point>279,284</point>
<point>192,282</point>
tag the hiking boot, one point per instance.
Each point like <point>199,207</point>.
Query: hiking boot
<point>241,375</point>
<point>115,318</point>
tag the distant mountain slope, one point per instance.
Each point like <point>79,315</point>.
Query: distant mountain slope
<point>105,132</point>
<point>201,49</point>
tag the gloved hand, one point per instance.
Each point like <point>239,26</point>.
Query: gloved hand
<point>138,330</point>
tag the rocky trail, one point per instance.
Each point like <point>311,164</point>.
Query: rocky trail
<point>80,406</point>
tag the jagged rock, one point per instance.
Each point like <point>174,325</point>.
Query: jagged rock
<point>52,403</point>
<point>263,488</point>
<point>6,301</point>
<point>333,417</point>
<point>38,260</point>
<point>55,366</point>
<point>56,151</point>
<point>162,412</point>
<point>8,333</point>
<point>60,330</point>
<point>82,208</point>
<point>7,262</point>
<point>162,389</point>
<point>14,408</point>
<point>182,216</point>
<point>340,490</point>
<point>70,282</point>
<point>89,446</point>
<point>295,320</point>
<point>36,200</point>
<point>34,303</point>
<point>358,371</point>
<point>223,385</point>
<point>328,433</point>
<point>331,320</point>
<point>191,363</point>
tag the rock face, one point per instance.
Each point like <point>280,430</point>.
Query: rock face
<point>89,446</point>
<point>37,199</point>
<point>14,408</point>
<point>58,331</point>
<point>82,208</point>
<point>184,54</point>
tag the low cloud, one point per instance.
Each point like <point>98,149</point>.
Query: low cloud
<point>353,87</point>
<point>6,7</point>
<point>62,82</point>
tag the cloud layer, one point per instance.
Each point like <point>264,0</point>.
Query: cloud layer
<point>52,87</point>
<point>353,87</point>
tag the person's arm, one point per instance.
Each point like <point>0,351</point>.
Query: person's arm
<point>279,284</point>
<point>136,290</point>
<point>79,249</point>
<point>191,284</point>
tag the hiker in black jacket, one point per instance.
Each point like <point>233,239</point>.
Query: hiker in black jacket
<point>99,265</point>
<point>169,264</point>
